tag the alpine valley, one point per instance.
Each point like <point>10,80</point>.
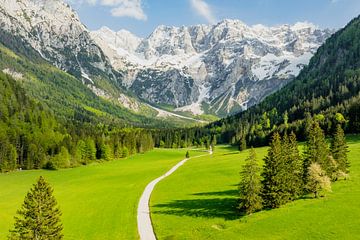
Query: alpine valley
<point>107,135</point>
<point>175,73</point>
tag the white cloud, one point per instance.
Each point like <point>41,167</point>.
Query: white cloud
<point>131,9</point>
<point>203,9</point>
<point>120,8</point>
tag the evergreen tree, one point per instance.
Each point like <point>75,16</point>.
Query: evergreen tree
<point>286,119</point>
<point>90,150</point>
<point>104,152</point>
<point>62,160</point>
<point>250,185</point>
<point>318,182</point>
<point>39,216</point>
<point>8,156</point>
<point>316,150</point>
<point>187,155</point>
<point>274,190</point>
<point>124,152</point>
<point>213,141</point>
<point>242,145</point>
<point>333,167</point>
<point>339,149</point>
<point>294,166</point>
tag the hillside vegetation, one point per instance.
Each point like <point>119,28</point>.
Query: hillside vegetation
<point>32,137</point>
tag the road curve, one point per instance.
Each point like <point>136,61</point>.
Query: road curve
<point>144,224</point>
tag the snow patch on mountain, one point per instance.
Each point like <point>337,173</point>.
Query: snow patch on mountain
<point>227,62</point>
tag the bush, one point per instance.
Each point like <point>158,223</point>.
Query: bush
<point>49,165</point>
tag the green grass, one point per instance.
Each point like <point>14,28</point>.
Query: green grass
<point>98,201</point>
<point>199,202</point>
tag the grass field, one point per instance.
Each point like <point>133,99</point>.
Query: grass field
<point>199,202</point>
<point>98,201</point>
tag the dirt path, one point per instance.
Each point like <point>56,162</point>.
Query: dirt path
<point>144,224</point>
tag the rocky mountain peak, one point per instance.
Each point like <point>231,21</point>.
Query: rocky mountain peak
<point>227,66</point>
<point>53,30</point>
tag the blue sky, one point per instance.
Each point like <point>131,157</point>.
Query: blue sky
<point>143,16</point>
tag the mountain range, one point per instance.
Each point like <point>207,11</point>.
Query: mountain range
<point>205,69</point>
<point>218,69</point>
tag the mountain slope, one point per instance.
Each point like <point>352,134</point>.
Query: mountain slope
<point>49,31</point>
<point>54,30</point>
<point>27,130</point>
<point>328,85</point>
<point>217,69</point>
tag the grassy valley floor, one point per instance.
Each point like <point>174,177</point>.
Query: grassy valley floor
<point>98,201</point>
<point>199,202</point>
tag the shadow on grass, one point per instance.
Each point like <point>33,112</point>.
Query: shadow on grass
<point>233,193</point>
<point>352,139</point>
<point>225,207</point>
<point>231,153</point>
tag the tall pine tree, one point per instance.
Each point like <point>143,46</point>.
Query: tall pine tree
<point>242,145</point>
<point>274,185</point>
<point>339,150</point>
<point>250,185</point>
<point>39,216</point>
<point>316,150</point>
<point>293,165</point>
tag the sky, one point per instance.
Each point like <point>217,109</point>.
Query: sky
<point>141,17</point>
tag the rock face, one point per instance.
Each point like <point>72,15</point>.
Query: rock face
<point>216,69</point>
<point>54,30</point>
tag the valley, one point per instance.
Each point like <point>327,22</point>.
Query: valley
<point>198,201</point>
<point>191,124</point>
<point>97,201</point>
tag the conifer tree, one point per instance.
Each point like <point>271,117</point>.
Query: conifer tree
<point>90,150</point>
<point>317,150</point>
<point>250,185</point>
<point>293,166</point>
<point>274,190</point>
<point>187,155</point>
<point>39,216</point>
<point>125,152</point>
<point>242,145</point>
<point>339,150</point>
<point>334,172</point>
<point>213,141</point>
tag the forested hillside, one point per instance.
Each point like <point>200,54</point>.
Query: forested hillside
<point>67,96</point>
<point>31,136</point>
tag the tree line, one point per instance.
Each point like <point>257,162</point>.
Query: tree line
<point>288,175</point>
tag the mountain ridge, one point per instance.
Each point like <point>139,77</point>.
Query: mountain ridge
<point>203,57</point>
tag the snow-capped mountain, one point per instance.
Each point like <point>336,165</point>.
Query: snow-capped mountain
<point>53,30</point>
<point>215,69</point>
<point>211,68</point>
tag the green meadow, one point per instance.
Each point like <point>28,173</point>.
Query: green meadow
<point>199,202</point>
<point>98,201</point>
